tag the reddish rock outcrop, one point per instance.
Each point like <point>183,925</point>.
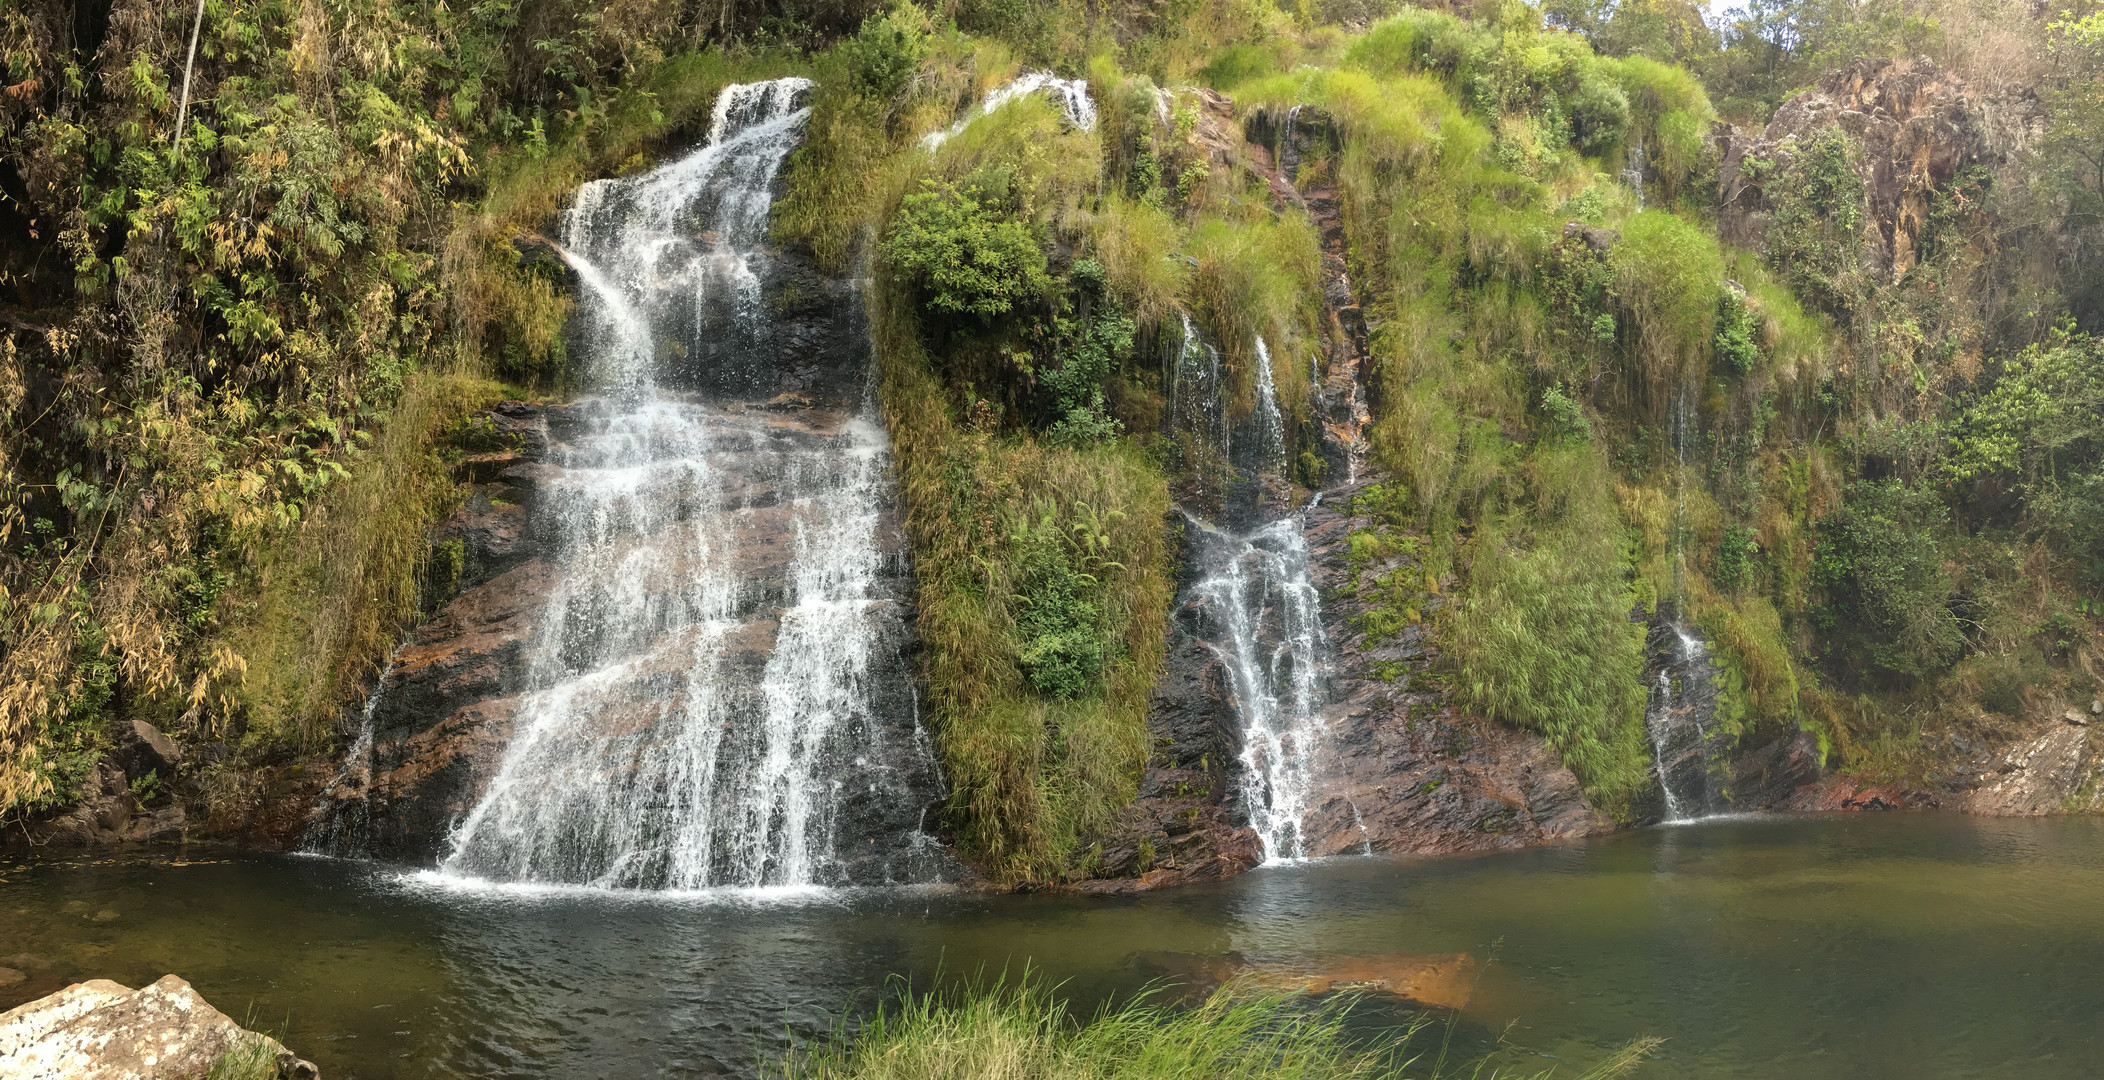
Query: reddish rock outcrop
<point>1915,125</point>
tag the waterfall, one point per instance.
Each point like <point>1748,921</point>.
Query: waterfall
<point>1072,95</point>
<point>1263,621</point>
<point>1633,172</point>
<point>1271,427</point>
<point>1250,601</point>
<point>1683,701</point>
<point>344,835</point>
<point>698,708</point>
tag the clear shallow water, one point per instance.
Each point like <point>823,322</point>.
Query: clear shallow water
<point>1801,947</point>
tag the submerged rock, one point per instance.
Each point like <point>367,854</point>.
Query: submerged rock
<point>1441,980</point>
<point>99,1030</point>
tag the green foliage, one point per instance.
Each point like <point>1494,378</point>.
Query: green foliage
<point>1565,416</point>
<point>1816,219</point>
<point>1061,636</point>
<point>1024,1030</point>
<point>1737,341</point>
<point>1734,560</point>
<point>1543,638</point>
<point>2036,429</point>
<point>1667,273</point>
<point>965,249</point>
<point>1090,350</point>
<point>1888,605</point>
<point>887,51</point>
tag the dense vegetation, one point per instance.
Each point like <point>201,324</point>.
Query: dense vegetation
<point>236,366</point>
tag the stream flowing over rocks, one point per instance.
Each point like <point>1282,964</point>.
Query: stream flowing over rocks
<point>678,657</point>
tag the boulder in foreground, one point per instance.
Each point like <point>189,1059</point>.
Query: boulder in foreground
<point>98,1030</point>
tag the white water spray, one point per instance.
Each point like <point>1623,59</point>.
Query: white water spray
<point>1072,95</point>
<point>1265,625</point>
<point>648,751</point>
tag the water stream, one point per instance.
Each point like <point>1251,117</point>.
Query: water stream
<point>1072,94</point>
<point>699,708</point>
<point>1249,599</point>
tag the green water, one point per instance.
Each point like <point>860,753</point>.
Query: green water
<point>1905,945</point>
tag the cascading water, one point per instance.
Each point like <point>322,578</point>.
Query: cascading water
<point>1072,94</point>
<point>1251,603</point>
<point>344,834</point>
<point>1683,693</point>
<point>1683,702</point>
<point>1633,172</point>
<point>1271,427</point>
<point>699,708</point>
<point>1264,623</point>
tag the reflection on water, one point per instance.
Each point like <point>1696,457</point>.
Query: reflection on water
<point>1904,945</point>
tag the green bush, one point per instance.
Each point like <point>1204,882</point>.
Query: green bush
<point>1543,636</point>
<point>964,248</point>
<point>1888,601</point>
<point>1737,342</point>
<point>1736,551</point>
<point>1060,632</point>
<point>1815,224</point>
<point>888,49</point>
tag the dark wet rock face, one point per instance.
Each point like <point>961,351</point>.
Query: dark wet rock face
<point>1408,772</point>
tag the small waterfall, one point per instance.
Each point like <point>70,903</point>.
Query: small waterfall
<point>1271,427</point>
<point>344,825</point>
<point>1633,172</point>
<point>1263,620</point>
<point>1198,407</point>
<point>699,708</point>
<point>1072,95</point>
<point>1250,601</point>
<point>1677,720</point>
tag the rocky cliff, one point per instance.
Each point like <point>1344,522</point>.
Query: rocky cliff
<point>1914,127</point>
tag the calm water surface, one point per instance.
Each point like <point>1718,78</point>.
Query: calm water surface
<point>1906,945</point>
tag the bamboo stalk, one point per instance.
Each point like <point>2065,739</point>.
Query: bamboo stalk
<point>182,112</point>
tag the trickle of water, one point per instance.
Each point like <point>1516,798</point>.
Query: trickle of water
<point>1633,172</point>
<point>648,752</point>
<point>1271,427</point>
<point>1196,402</point>
<point>344,826</point>
<point>1264,622</point>
<point>1072,95</point>
<point>1676,721</point>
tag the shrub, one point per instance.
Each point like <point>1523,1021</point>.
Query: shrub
<point>1599,113</point>
<point>1736,551</point>
<point>1059,626</point>
<point>888,49</point>
<point>967,253</point>
<point>1888,602</point>
<point>1543,636</point>
<point>1666,273</point>
<point>1737,341</point>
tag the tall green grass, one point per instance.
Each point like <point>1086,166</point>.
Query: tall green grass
<point>1025,1032</point>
